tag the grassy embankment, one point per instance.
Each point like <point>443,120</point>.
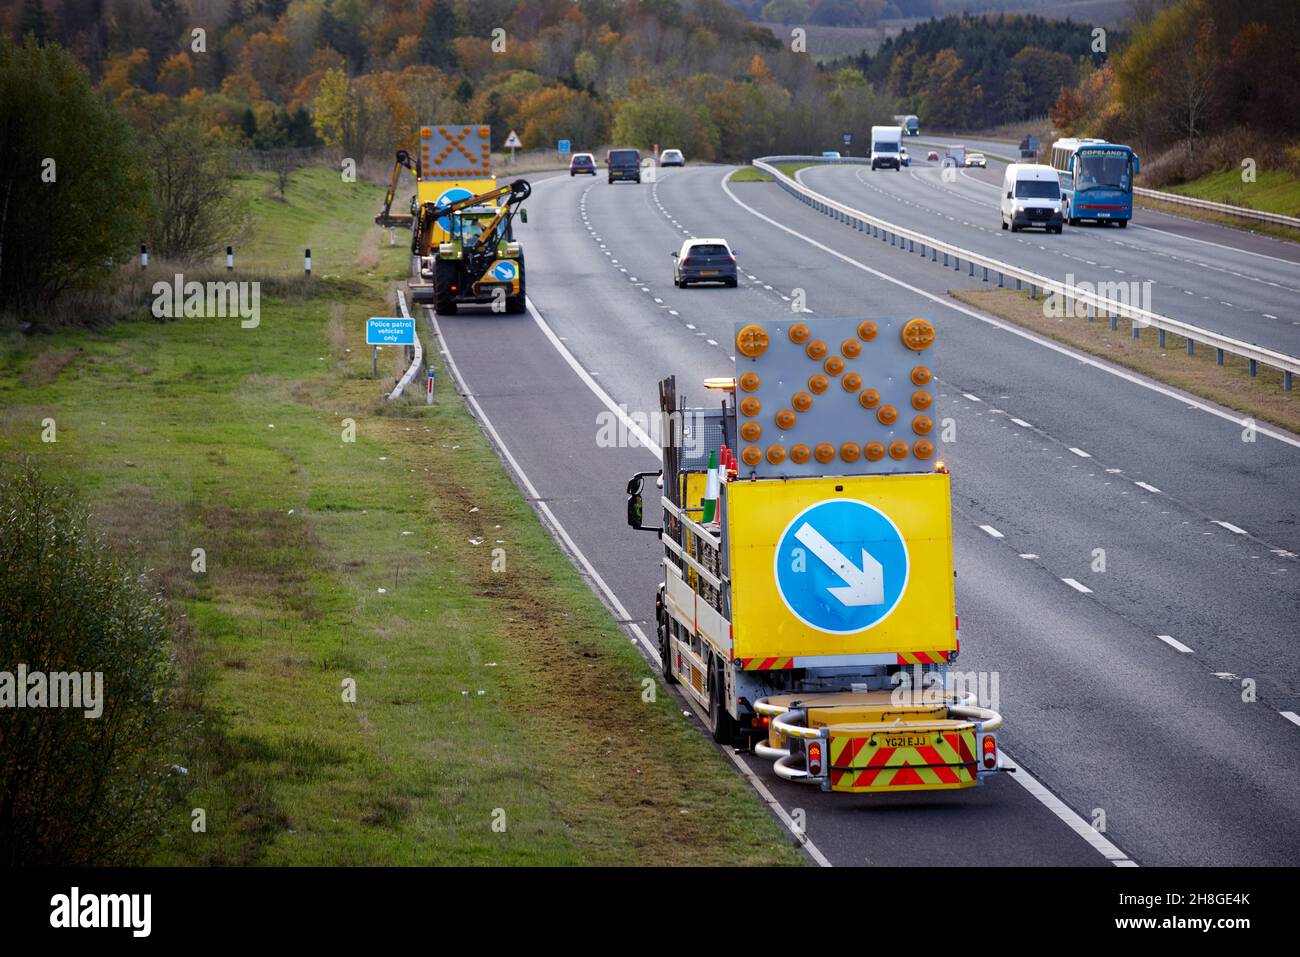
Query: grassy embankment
<point>482,696</point>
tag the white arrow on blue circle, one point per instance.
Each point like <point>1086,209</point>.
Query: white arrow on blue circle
<point>863,586</point>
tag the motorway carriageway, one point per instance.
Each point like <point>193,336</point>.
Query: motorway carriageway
<point>1122,690</point>
<point>1233,282</point>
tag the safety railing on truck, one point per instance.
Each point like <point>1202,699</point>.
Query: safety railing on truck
<point>915,242</point>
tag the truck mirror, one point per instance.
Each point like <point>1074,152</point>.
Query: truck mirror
<point>673,254</point>
<point>1009,196</point>
<point>523,215</point>
<point>635,505</point>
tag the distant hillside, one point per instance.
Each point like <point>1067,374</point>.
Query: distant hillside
<point>897,14</point>
<point>972,72</point>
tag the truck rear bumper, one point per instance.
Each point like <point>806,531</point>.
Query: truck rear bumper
<point>871,743</point>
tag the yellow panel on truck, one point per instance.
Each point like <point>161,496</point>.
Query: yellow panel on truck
<point>853,565</point>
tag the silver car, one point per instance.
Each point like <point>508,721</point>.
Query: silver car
<point>704,260</point>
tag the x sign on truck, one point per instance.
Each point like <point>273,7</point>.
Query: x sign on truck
<point>808,593</point>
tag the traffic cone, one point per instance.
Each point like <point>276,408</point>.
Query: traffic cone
<point>711,490</point>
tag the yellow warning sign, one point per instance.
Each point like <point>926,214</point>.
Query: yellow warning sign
<point>841,566</point>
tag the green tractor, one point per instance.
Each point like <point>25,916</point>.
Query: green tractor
<point>480,261</point>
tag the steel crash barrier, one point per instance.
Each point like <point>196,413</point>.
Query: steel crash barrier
<point>1071,296</point>
<point>1241,212</point>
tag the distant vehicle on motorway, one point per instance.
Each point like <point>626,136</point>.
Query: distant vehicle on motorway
<point>976,159</point>
<point>1031,196</point>
<point>903,158</point>
<point>1096,180</point>
<point>704,260</point>
<point>624,165</point>
<point>954,155</point>
<point>932,156</point>
<point>672,158</point>
<point>886,143</point>
<point>830,154</point>
<point>582,163</point>
<point>910,124</point>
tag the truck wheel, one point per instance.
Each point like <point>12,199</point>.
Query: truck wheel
<point>722,726</point>
<point>665,646</point>
<point>1123,223</point>
<point>515,305</point>
<point>444,277</point>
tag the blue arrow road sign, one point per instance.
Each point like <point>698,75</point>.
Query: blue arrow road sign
<point>841,566</point>
<point>390,332</point>
<point>505,271</point>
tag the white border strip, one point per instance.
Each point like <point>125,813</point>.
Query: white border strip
<point>1071,820</point>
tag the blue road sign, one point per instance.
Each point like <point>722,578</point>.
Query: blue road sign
<point>381,331</point>
<point>505,271</point>
<point>841,566</point>
<point>453,195</point>
<point>565,146</point>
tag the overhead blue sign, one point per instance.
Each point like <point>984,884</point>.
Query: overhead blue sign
<point>565,146</point>
<point>841,566</point>
<point>390,332</point>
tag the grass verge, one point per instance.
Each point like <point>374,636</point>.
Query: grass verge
<point>348,543</point>
<point>1229,385</point>
<point>749,174</point>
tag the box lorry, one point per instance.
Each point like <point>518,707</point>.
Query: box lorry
<point>886,147</point>
<point>808,598</point>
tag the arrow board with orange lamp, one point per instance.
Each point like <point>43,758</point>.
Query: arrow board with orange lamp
<point>835,397</point>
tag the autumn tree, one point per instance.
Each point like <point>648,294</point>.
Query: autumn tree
<point>74,195</point>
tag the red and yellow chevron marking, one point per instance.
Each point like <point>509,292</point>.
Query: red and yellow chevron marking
<point>765,664</point>
<point>903,760</point>
<point>922,657</point>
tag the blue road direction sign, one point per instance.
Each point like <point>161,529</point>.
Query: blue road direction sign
<point>390,332</point>
<point>565,146</point>
<point>841,566</point>
<point>505,271</point>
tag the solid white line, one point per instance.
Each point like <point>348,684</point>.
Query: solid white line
<point>1015,330</point>
<point>992,531</point>
<point>1149,488</point>
<point>1230,527</point>
<point>651,650</point>
<point>1175,644</point>
<point>1072,820</point>
<point>1206,242</point>
<point>1080,452</point>
<point>1083,589</point>
<point>1291,716</point>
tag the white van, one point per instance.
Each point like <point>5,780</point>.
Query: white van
<point>886,144</point>
<point>1031,196</point>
